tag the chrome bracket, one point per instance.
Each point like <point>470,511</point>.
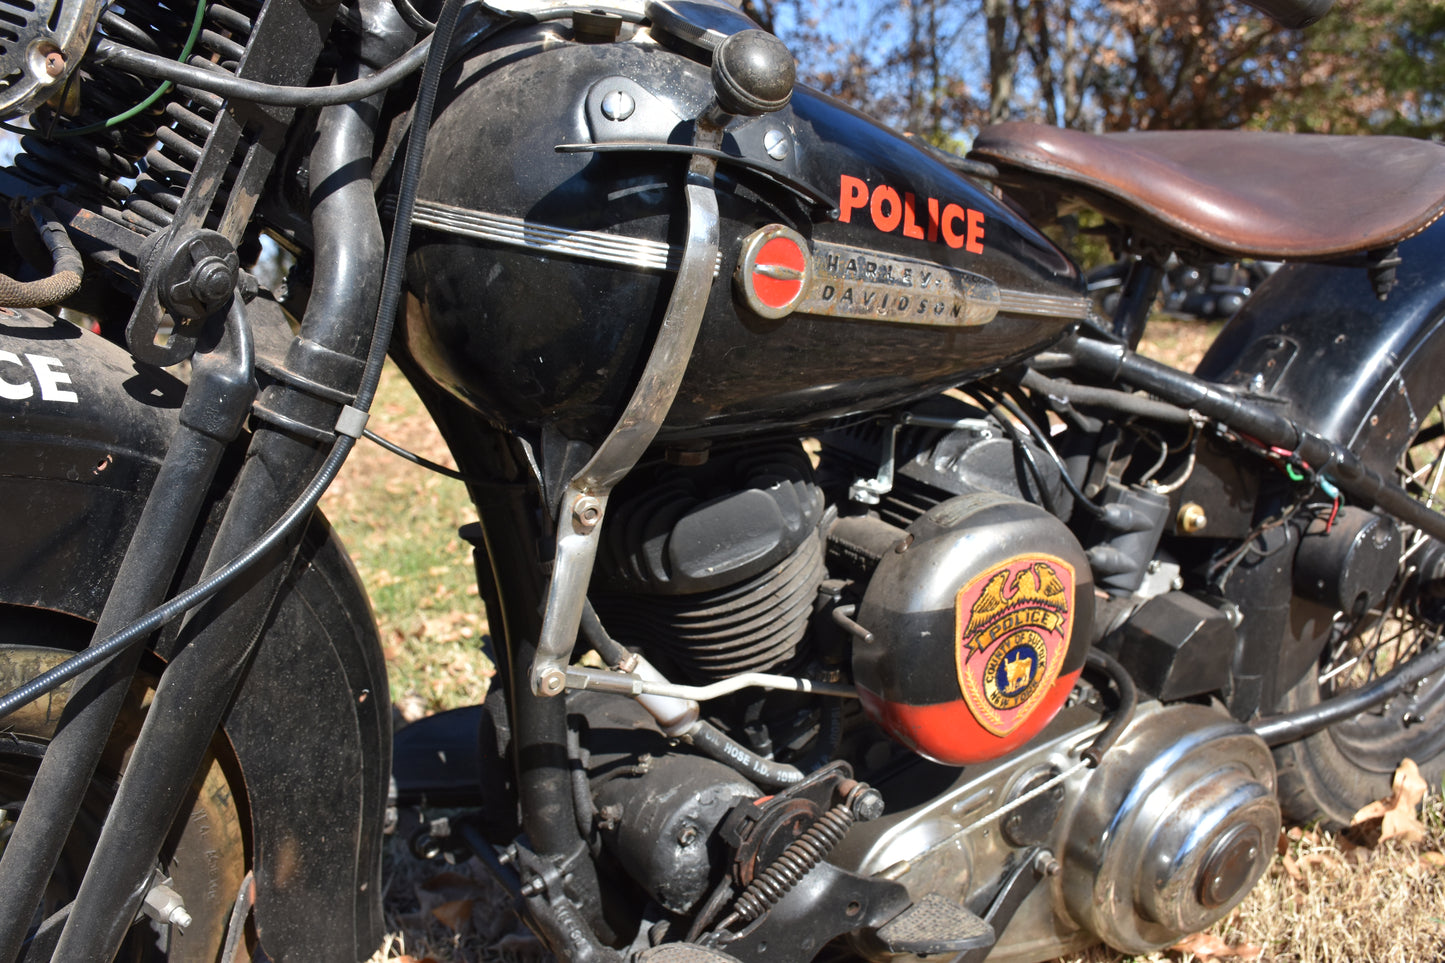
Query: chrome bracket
<point>583,504</point>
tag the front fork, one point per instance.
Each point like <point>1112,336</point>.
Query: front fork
<point>216,643</point>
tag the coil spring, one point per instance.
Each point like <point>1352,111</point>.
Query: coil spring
<point>136,173</point>
<point>795,862</point>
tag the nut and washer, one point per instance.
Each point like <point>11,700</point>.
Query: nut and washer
<point>1191,518</point>
<point>586,513</point>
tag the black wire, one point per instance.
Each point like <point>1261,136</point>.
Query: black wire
<point>302,507</point>
<point>232,87</point>
<point>1021,445</point>
<point>413,17</point>
<point>1012,408</point>
<point>391,278</point>
<point>414,458</point>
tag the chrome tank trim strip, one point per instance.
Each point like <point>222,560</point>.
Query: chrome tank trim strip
<point>1049,305</point>
<point>657,256</point>
<point>545,239</point>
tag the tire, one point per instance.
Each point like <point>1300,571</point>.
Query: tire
<point>206,856</point>
<point>1330,775</point>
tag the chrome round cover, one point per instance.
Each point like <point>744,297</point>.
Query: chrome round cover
<point>40,44</point>
<point>1173,830</point>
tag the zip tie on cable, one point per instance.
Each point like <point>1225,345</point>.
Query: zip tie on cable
<point>351,422</point>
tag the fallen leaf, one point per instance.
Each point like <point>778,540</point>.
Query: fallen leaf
<point>1324,860</point>
<point>1207,946</point>
<point>1291,867</point>
<point>1433,860</point>
<point>454,915</point>
<point>1396,813</point>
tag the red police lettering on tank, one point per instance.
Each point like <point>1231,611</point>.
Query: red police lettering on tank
<point>960,227</point>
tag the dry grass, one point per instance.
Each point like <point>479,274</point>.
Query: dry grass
<point>1331,902</point>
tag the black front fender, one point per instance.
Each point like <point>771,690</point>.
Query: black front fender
<point>83,430</point>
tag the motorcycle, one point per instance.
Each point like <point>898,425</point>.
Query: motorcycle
<point>1033,643</point>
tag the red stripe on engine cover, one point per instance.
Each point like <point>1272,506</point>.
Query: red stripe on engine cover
<point>947,732</point>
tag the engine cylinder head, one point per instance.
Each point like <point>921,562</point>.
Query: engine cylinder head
<point>714,570</point>
<point>1173,830</point>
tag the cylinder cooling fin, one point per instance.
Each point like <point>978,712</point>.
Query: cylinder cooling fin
<point>714,569</point>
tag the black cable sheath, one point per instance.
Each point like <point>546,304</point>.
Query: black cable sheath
<point>413,457</point>
<point>1013,408</point>
<point>302,507</point>
<point>228,85</point>
<point>1123,715</point>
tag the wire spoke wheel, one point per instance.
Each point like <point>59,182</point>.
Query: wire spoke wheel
<point>1333,773</point>
<point>205,854</point>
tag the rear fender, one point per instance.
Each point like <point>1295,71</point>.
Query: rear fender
<point>1360,371</point>
<point>83,430</point>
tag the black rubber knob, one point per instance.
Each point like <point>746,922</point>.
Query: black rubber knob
<point>752,73</point>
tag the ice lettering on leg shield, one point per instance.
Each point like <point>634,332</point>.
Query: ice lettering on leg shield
<point>1013,629</point>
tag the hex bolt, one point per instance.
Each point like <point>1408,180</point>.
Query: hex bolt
<point>164,905</point>
<point>1046,865</point>
<point>687,836</point>
<point>586,513</point>
<point>551,681</point>
<point>533,887</point>
<point>867,804</point>
<point>212,279</point>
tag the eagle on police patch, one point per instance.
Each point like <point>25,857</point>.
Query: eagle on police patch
<point>1035,586</point>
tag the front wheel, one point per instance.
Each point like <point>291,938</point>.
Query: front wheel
<point>205,856</point>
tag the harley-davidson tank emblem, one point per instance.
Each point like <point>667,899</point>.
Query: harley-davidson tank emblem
<point>1013,632</point>
<point>780,272</point>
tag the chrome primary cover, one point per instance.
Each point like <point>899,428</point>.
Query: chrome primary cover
<point>1172,830</point>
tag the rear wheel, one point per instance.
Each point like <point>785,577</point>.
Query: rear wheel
<point>1333,773</point>
<point>205,855</point>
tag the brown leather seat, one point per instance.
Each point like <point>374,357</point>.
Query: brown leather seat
<point>1240,193</point>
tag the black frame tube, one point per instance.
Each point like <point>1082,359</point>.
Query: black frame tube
<point>1278,730</point>
<point>218,639</point>
<point>1239,413</point>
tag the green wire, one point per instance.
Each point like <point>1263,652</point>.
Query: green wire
<point>139,108</point>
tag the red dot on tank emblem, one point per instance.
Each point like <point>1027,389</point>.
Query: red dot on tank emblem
<point>778,272</point>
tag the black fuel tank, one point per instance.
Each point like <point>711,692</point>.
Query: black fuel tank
<point>538,278</point>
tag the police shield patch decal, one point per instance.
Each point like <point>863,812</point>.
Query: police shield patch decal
<point>1013,625</point>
